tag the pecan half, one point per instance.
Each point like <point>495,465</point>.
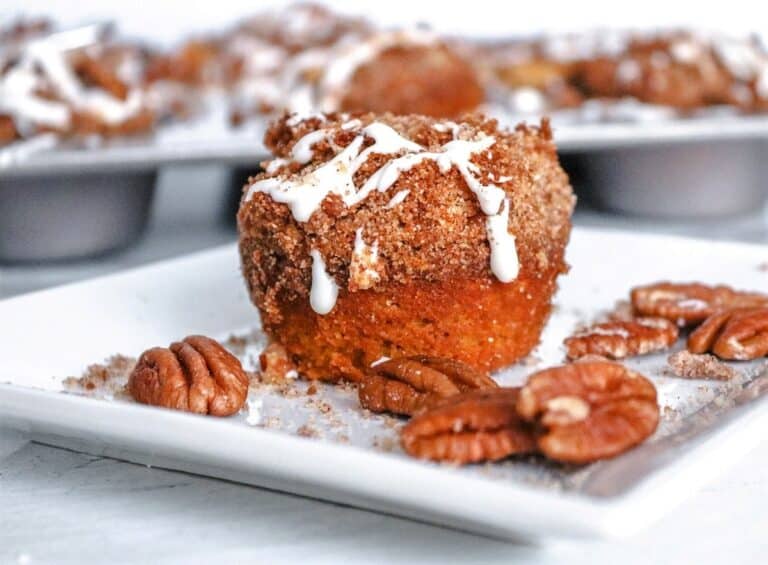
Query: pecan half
<point>736,334</point>
<point>690,303</point>
<point>620,339</point>
<point>194,375</point>
<point>409,384</point>
<point>469,428</point>
<point>589,410</point>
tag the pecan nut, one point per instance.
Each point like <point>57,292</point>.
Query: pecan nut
<point>620,339</point>
<point>409,384</point>
<point>690,303</point>
<point>194,375</point>
<point>589,410</point>
<point>469,428</point>
<point>738,334</point>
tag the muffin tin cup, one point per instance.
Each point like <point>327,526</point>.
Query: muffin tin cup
<point>705,179</point>
<point>72,215</point>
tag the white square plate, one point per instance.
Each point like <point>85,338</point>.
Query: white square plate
<point>353,458</point>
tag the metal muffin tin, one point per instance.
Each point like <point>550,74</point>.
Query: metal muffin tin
<point>70,202</point>
<point>78,214</point>
<point>692,168</point>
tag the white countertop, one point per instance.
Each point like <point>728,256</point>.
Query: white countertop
<point>58,506</point>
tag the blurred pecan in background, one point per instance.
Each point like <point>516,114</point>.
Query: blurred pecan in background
<point>408,384</point>
<point>588,411</point>
<point>690,303</point>
<point>469,428</point>
<point>620,339</point>
<point>194,375</point>
<point>735,334</point>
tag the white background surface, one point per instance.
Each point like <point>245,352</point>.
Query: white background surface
<point>64,507</point>
<point>165,20</point>
<point>57,506</point>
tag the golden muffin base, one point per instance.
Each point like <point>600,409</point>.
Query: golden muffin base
<point>486,324</point>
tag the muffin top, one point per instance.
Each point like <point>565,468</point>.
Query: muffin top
<point>355,202</point>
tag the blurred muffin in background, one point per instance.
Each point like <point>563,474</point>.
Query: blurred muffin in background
<point>74,83</point>
<point>684,70</point>
<point>306,58</point>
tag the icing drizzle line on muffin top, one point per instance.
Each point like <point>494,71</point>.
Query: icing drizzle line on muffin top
<point>304,192</point>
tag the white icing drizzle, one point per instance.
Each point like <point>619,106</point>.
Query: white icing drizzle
<point>351,124</point>
<point>324,290</point>
<point>364,258</point>
<point>504,262</point>
<point>741,58</point>
<point>49,55</point>
<point>398,198</point>
<point>456,153</point>
<point>336,65</point>
<point>527,100</point>
<point>584,45</point>
<point>298,94</point>
<point>447,126</point>
<point>276,164</point>
<point>110,109</point>
<point>686,51</point>
<point>18,99</point>
<point>304,195</point>
<point>628,71</point>
<point>302,150</point>
<point>259,57</point>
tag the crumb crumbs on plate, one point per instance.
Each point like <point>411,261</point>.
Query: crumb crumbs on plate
<point>687,365</point>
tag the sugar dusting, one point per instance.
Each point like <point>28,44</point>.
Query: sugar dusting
<point>331,413</point>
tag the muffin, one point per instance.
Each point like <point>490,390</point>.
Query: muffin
<point>400,72</point>
<point>682,70</point>
<point>74,83</point>
<point>679,69</point>
<point>405,71</point>
<point>372,236</point>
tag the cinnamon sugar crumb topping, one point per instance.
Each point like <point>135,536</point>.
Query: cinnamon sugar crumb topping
<point>306,190</point>
<point>433,198</point>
